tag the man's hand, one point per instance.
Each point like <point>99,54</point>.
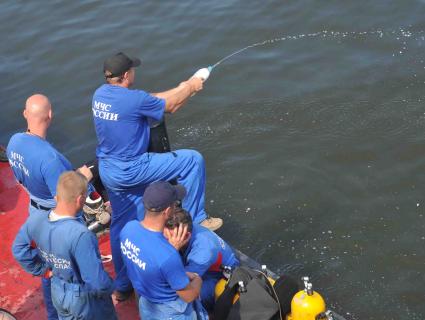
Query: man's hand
<point>196,84</point>
<point>85,171</point>
<point>178,237</point>
<point>192,275</point>
<point>48,274</point>
<point>203,73</point>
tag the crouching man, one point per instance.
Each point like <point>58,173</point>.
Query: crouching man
<point>55,243</point>
<point>203,252</point>
<point>154,267</point>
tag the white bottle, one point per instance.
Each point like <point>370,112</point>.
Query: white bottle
<point>203,73</point>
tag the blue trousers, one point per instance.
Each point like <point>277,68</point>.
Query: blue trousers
<point>73,302</point>
<point>47,295</point>
<point>125,182</point>
<point>171,310</point>
<point>125,207</point>
<point>45,283</point>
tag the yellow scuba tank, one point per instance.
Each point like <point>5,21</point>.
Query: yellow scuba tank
<point>219,288</point>
<point>307,304</point>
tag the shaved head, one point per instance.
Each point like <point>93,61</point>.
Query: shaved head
<point>70,186</point>
<point>37,108</point>
<point>38,113</point>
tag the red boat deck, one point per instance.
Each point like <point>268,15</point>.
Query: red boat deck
<point>20,292</point>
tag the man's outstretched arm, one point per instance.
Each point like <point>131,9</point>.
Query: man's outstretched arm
<point>175,98</point>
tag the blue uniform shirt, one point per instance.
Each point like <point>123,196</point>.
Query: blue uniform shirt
<point>65,246</point>
<point>153,264</point>
<point>121,118</point>
<point>206,252</point>
<point>37,165</point>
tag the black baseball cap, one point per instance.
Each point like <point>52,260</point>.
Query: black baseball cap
<point>162,194</point>
<point>118,64</point>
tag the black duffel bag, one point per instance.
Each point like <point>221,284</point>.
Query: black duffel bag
<point>258,299</point>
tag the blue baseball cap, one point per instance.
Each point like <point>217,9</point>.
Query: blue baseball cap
<point>160,195</point>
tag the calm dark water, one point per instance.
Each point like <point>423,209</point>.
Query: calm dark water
<point>314,145</point>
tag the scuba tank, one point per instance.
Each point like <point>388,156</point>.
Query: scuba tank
<point>221,284</point>
<point>304,305</point>
<point>308,305</point>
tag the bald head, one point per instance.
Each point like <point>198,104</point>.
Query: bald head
<point>70,187</point>
<point>38,110</point>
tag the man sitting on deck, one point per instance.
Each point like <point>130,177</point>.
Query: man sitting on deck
<point>37,166</point>
<point>122,118</point>
<point>81,289</point>
<point>154,267</point>
<point>204,252</point>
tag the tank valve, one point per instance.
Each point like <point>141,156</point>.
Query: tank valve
<point>227,271</point>
<point>306,280</point>
<point>309,289</point>
<point>242,288</point>
<point>264,269</point>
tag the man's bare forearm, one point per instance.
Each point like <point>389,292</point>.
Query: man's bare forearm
<point>193,289</point>
<point>175,98</point>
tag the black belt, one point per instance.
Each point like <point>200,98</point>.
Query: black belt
<point>36,205</point>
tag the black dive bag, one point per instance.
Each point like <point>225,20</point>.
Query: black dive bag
<point>159,141</point>
<point>259,299</point>
<point>158,138</point>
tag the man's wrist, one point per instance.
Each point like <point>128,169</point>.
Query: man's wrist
<point>184,85</point>
<point>176,245</point>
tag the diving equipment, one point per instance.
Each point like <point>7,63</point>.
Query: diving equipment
<point>308,304</point>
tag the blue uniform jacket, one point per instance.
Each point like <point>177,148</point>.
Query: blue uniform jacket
<point>206,252</point>
<point>37,166</point>
<point>65,246</point>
